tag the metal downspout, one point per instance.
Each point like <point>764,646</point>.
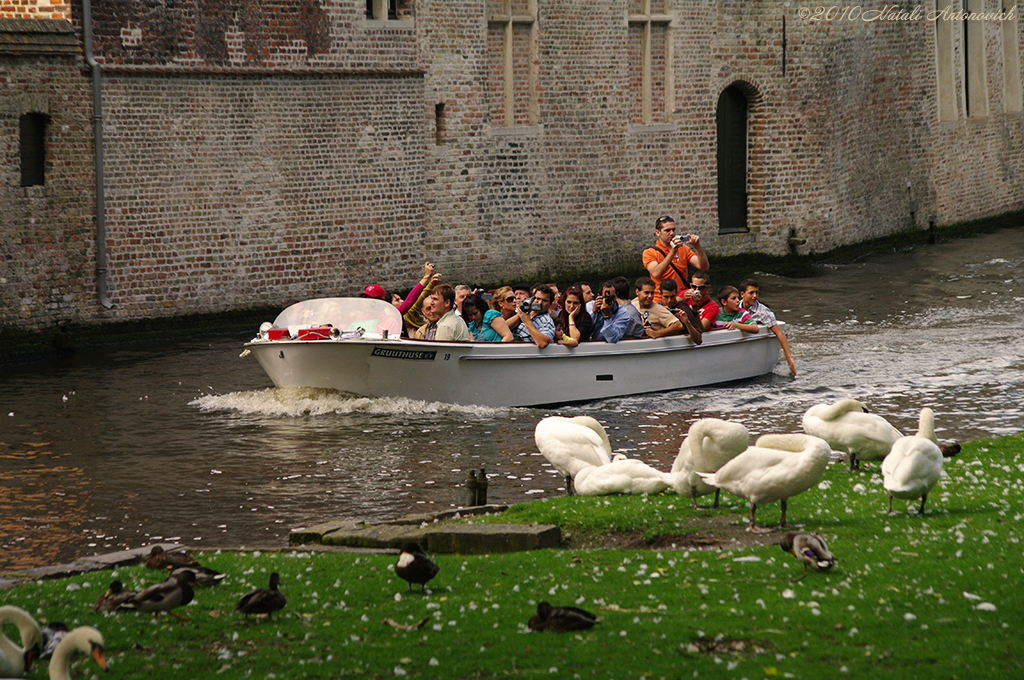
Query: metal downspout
<point>97,118</point>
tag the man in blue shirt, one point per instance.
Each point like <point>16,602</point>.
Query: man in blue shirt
<point>614,317</point>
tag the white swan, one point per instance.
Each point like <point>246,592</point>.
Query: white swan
<point>14,659</point>
<point>710,443</point>
<point>777,467</point>
<point>571,444</point>
<point>847,426</point>
<point>627,476</point>
<point>914,465</point>
<point>85,639</point>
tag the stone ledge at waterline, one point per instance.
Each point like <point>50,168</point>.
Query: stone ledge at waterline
<point>433,536</point>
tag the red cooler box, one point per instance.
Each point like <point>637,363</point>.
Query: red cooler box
<point>319,333</point>
<point>277,334</point>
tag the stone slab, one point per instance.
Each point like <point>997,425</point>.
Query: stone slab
<point>374,536</point>
<point>481,539</point>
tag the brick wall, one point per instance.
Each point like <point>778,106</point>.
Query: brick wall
<point>263,150</point>
<point>35,9</point>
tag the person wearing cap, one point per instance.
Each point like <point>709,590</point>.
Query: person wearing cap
<point>373,291</point>
<point>671,254</point>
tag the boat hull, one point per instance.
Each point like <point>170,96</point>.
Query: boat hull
<point>515,374</point>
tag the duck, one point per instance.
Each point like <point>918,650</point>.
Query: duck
<point>810,549</point>
<point>174,592</point>
<point>571,444</point>
<point>914,465</point>
<point>263,600</point>
<point>15,659</point>
<point>54,632</point>
<point>85,639</point>
<point>161,559</point>
<point>847,426</point>
<point>415,566</point>
<point>709,444</point>
<point>623,476</point>
<point>114,598</point>
<point>776,468</point>
<point>561,619</point>
<point>204,576</point>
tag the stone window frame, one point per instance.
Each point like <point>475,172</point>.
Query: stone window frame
<point>974,73</point>
<point>380,11</point>
<point>945,68</point>
<point>647,19</point>
<point>507,21</point>
<point>1012,101</point>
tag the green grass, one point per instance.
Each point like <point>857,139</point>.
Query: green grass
<point>905,601</point>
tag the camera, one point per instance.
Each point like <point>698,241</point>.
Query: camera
<point>685,238</point>
<point>528,306</point>
<point>609,300</point>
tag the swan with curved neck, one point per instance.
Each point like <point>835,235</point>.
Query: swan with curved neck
<point>85,639</point>
<point>710,443</point>
<point>571,444</point>
<point>15,659</point>
<point>847,426</point>
<point>776,468</point>
<point>914,465</point>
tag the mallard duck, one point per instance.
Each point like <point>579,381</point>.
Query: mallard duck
<point>54,632</point>
<point>561,619</point>
<point>709,444</point>
<point>204,575</point>
<point>114,598</point>
<point>626,476</point>
<point>914,465</point>
<point>776,468</point>
<point>161,559</point>
<point>847,426</point>
<point>15,659</point>
<point>85,639</point>
<point>263,600</point>
<point>571,444</point>
<point>810,549</point>
<point>415,566</point>
<point>175,592</point>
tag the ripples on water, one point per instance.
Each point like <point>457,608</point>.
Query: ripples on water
<point>185,441</point>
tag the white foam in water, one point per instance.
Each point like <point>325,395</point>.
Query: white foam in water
<point>311,401</point>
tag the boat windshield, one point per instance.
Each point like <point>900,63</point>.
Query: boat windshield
<point>347,314</point>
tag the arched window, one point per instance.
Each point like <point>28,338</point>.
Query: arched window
<point>33,149</point>
<point>731,119</point>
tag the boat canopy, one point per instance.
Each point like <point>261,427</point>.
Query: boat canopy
<point>346,314</point>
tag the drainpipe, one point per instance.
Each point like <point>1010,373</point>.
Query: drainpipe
<point>97,119</point>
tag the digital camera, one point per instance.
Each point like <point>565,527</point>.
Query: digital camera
<point>529,306</point>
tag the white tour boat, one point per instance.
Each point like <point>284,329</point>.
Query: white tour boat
<point>354,345</point>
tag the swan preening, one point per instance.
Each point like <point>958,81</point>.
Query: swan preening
<point>847,426</point>
<point>16,659</point>
<point>571,444</point>
<point>709,444</point>
<point>914,465</point>
<point>776,468</point>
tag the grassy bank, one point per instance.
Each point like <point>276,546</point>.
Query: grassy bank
<point>932,596</point>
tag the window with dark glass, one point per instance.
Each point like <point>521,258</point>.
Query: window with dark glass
<point>33,149</point>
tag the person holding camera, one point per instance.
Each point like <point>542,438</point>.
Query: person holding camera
<point>534,322</point>
<point>614,317</point>
<point>671,255</point>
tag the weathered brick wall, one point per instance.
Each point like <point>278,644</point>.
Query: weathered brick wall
<point>47,254</point>
<point>291,148</point>
<point>35,9</point>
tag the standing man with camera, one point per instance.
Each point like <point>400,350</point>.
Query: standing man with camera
<point>534,322</point>
<point>671,255</point>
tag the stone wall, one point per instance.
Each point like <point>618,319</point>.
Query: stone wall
<point>258,151</point>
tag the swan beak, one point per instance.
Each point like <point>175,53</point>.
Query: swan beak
<point>101,658</point>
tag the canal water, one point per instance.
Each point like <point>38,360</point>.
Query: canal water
<point>186,441</point>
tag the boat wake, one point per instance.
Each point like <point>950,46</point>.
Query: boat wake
<point>314,401</point>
